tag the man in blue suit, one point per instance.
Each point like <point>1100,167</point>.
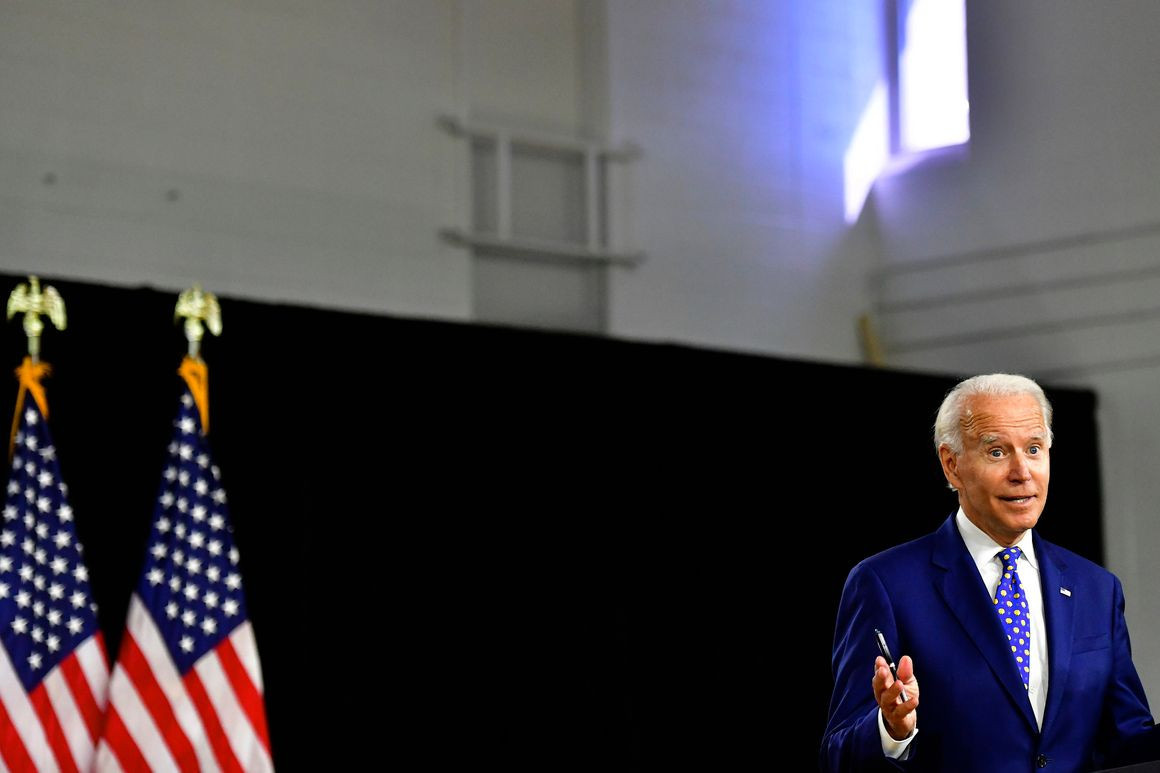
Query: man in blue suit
<point>1021,645</point>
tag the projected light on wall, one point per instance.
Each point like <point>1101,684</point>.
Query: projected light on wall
<point>930,108</point>
<point>868,152</point>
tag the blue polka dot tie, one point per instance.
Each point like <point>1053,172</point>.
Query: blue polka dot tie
<point>1011,604</point>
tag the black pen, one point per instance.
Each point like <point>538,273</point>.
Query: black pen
<point>889,660</point>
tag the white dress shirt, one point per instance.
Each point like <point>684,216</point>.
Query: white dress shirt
<point>983,551</point>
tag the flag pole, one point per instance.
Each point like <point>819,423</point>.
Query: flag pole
<point>189,660</point>
<point>31,301</point>
<point>196,307</point>
<point>55,667</point>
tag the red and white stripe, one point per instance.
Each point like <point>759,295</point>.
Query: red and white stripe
<point>56,726</point>
<point>212,719</point>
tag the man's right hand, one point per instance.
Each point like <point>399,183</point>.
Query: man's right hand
<point>900,717</point>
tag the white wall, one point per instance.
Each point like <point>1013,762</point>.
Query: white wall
<point>298,136</point>
<point>299,142</point>
<point>1040,252</point>
<point>745,111</point>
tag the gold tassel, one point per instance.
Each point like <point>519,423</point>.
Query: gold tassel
<point>29,373</point>
<point>196,375</point>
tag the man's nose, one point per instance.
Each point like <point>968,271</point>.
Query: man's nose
<point>1019,471</point>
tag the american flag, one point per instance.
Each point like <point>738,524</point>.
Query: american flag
<point>186,691</point>
<point>54,671</point>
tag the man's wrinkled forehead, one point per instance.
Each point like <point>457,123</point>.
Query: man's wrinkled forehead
<point>989,419</point>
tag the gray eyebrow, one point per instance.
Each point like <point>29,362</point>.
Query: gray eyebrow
<point>986,439</point>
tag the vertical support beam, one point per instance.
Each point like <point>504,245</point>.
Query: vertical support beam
<point>594,218</point>
<point>503,184</point>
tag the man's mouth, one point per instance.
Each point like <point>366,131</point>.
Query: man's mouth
<point>1018,500</point>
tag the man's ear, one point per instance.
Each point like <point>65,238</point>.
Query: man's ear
<point>950,465</point>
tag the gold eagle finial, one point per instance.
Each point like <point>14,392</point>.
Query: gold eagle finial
<point>197,307</point>
<point>30,300</point>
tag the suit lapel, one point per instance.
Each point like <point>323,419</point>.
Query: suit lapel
<point>1059,610</point>
<point>962,589</point>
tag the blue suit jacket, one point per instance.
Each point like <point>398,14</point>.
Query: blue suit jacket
<point>974,715</point>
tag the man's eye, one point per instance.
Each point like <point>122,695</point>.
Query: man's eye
<point>1033,450</point>
<point>995,453</point>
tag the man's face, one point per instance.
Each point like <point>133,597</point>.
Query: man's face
<point>1002,473</point>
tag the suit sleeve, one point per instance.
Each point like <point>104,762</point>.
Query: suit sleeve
<point>1127,720</point>
<point>851,741</point>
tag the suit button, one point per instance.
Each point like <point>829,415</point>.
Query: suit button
<point>1041,761</point>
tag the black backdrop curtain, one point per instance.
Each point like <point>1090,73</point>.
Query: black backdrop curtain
<point>468,546</point>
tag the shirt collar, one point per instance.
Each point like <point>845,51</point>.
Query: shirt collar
<point>983,549</point>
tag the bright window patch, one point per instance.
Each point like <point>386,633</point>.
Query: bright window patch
<point>921,104</point>
<point>933,110</point>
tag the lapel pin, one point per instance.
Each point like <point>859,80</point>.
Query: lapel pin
<point>1065,592</point>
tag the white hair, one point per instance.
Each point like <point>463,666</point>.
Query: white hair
<point>948,430</point>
